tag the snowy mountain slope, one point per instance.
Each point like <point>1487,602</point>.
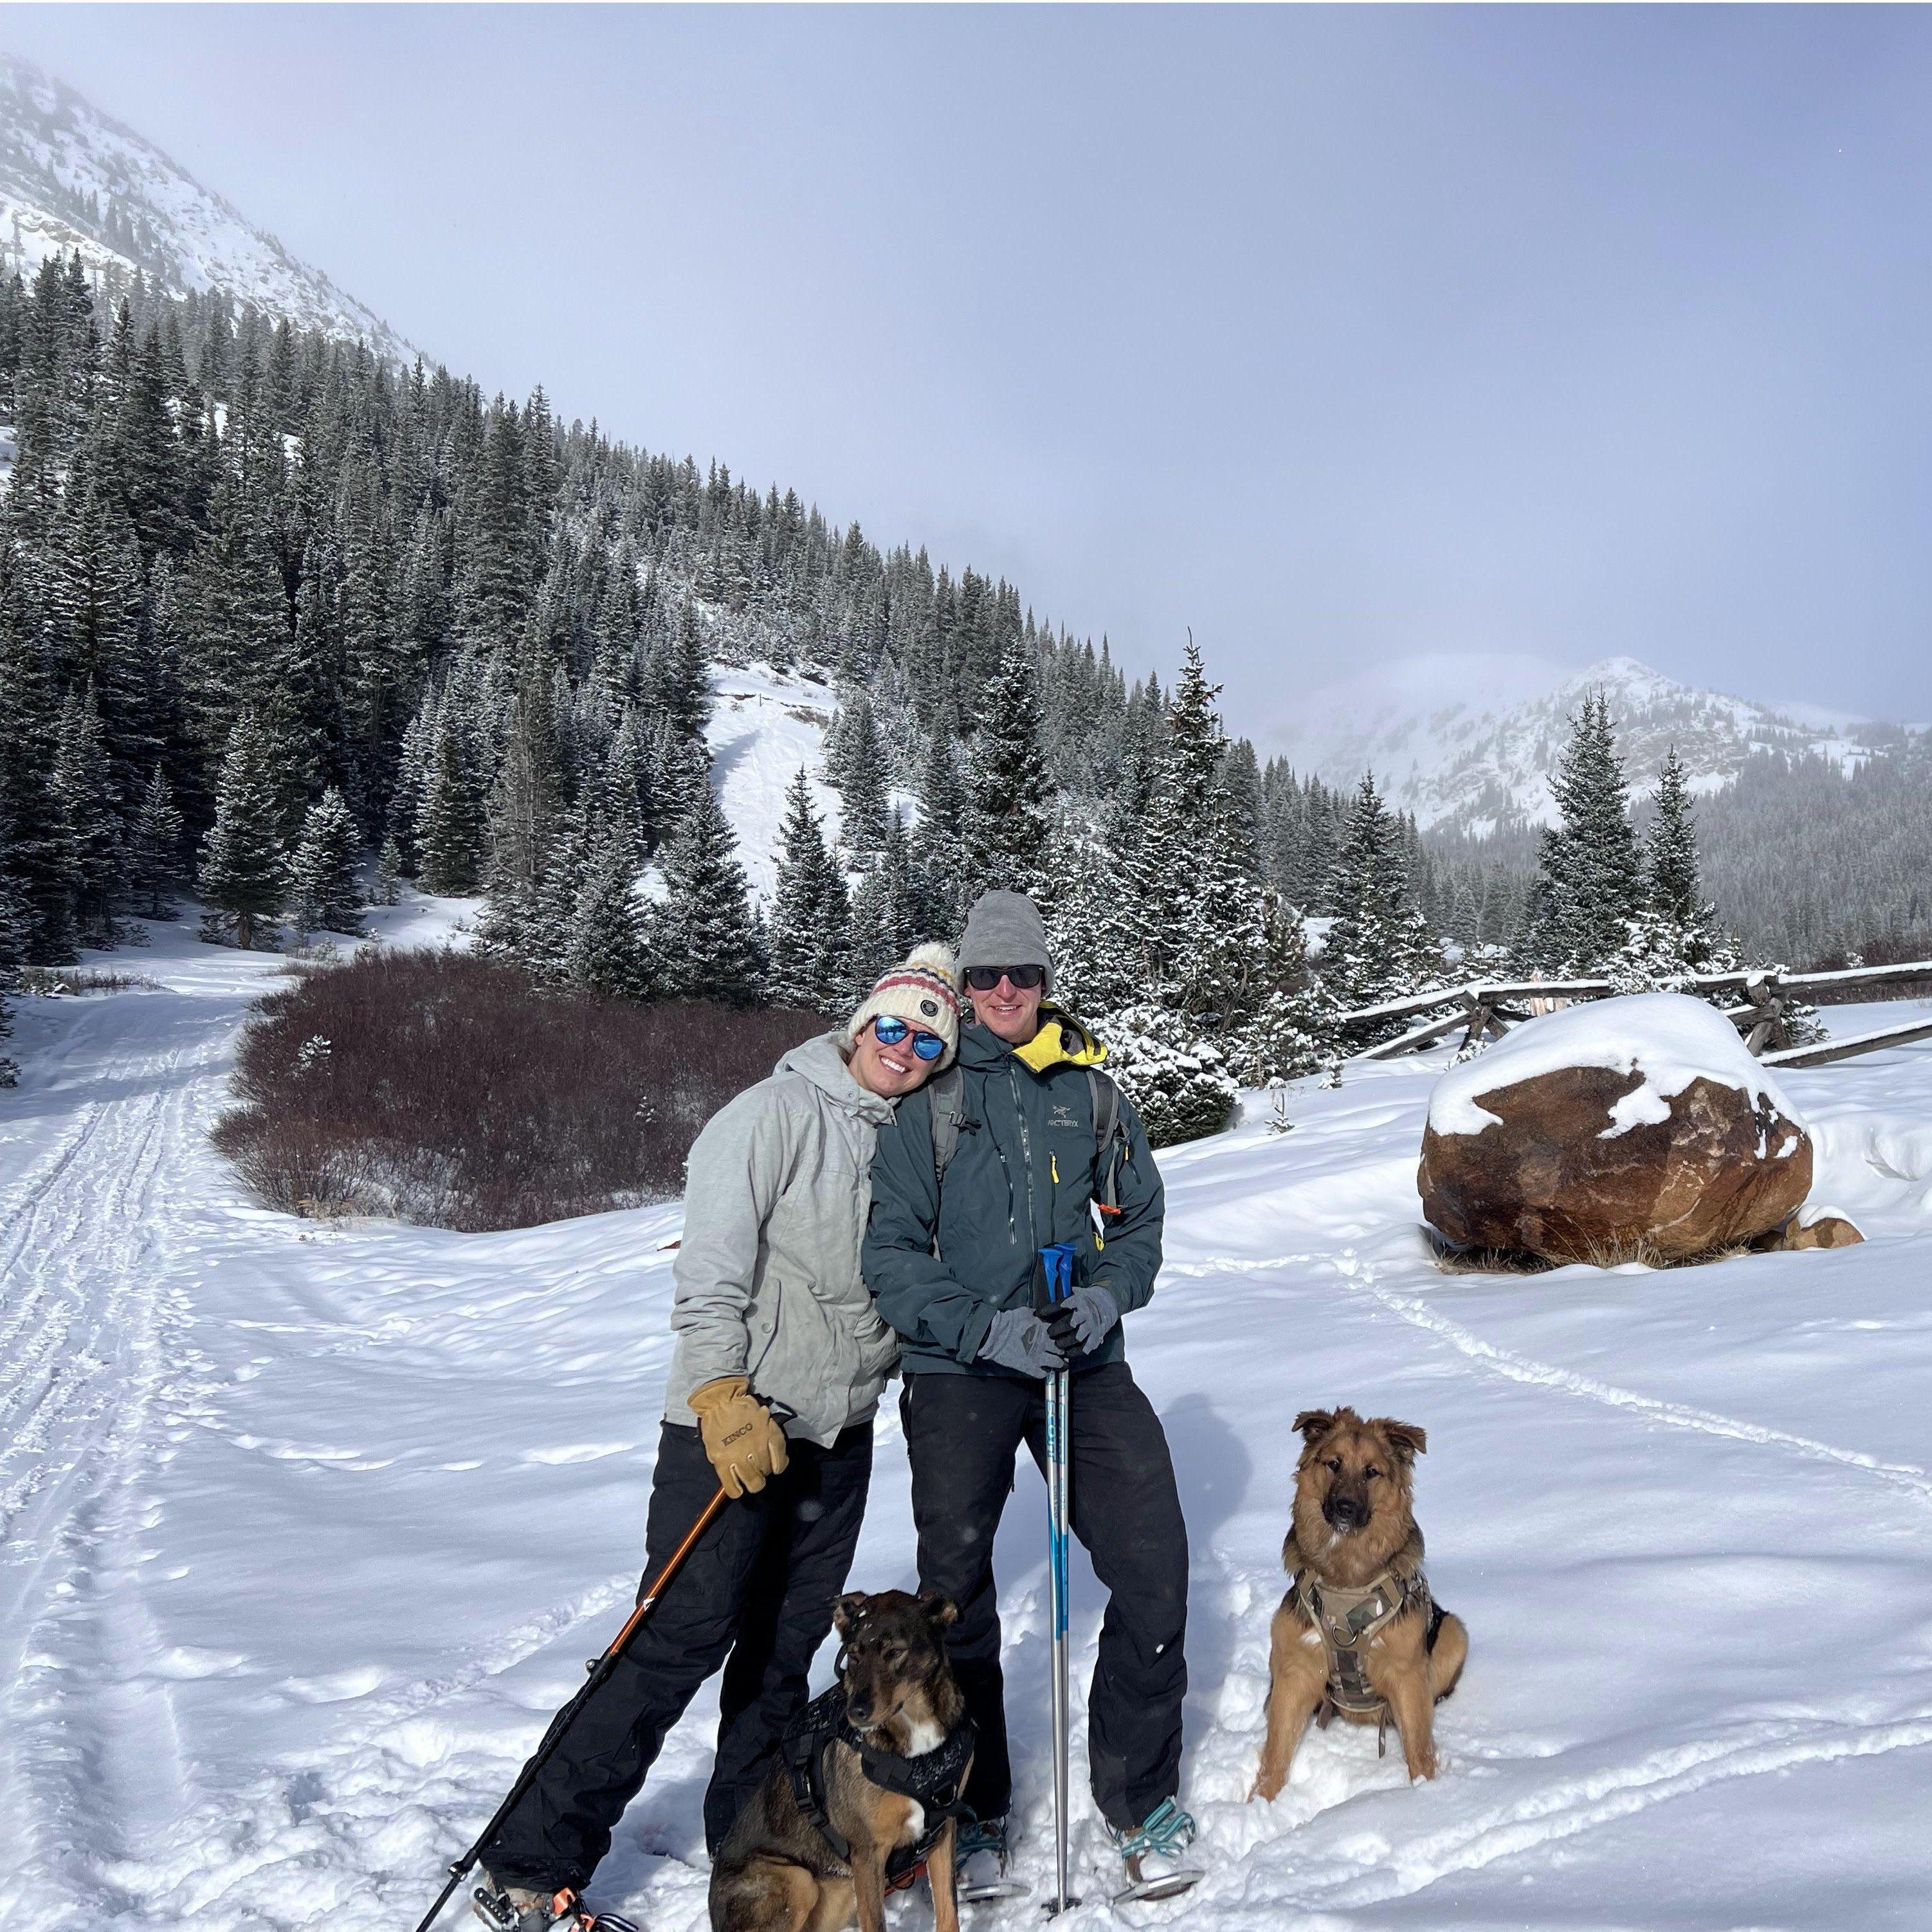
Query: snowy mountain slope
<point>71,178</point>
<point>764,725</point>
<point>1463,740</point>
<point>307,1529</point>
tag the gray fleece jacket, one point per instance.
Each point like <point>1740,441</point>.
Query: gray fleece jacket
<point>768,1285</point>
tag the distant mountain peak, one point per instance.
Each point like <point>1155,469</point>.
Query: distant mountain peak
<point>1466,740</point>
<point>72,177</point>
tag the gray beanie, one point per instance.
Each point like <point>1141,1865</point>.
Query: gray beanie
<point>1005,929</point>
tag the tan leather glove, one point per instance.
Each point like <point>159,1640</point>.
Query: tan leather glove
<point>746,1446</point>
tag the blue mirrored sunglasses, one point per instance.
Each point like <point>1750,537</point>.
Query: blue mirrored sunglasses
<point>891,1031</point>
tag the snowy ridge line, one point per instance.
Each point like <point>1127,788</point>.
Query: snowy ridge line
<point>1595,1798</point>
<point>1908,1477</point>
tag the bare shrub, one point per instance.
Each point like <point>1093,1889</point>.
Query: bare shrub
<point>455,1091</point>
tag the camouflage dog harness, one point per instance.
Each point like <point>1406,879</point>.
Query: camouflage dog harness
<point>1349,1620</point>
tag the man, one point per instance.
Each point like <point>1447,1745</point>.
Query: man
<point>951,1258</point>
<point>770,1313</point>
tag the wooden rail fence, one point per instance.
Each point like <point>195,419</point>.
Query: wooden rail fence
<point>1486,1008</point>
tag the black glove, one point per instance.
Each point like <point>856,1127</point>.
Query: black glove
<point>1080,1323</point>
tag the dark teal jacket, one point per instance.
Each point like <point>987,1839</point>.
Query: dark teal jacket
<point>1020,1181</point>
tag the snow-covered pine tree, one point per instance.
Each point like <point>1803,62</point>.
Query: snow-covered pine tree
<point>1590,878</point>
<point>449,829</point>
<point>83,786</point>
<point>607,946</point>
<point>16,926</point>
<point>708,947</point>
<point>1008,805</point>
<point>808,936</point>
<point>938,850</point>
<point>1379,947</point>
<point>863,782</point>
<point>886,920</point>
<point>388,872</point>
<point>524,805</point>
<point>1676,895</point>
<point>323,890</point>
<point>242,873</point>
<point>154,852</point>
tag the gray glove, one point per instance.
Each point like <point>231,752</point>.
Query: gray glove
<point>1017,1339</point>
<point>1080,1321</point>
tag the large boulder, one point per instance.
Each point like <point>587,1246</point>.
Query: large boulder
<point>1633,1128</point>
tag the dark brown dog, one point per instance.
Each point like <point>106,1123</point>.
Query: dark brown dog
<point>780,1869</point>
<point>1358,1633</point>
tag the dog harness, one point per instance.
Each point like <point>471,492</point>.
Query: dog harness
<point>931,1779</point>
<point>1347,1621</point>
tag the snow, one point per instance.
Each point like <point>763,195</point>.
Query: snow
<point>1670,1038</point>
<point>56,144</point>
<point>1462,739</point>
<point>308,1528</point>
<point>764,725</point>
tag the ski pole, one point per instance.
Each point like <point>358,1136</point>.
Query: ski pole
<point>1056,1282</point>
<point>600,1668</point>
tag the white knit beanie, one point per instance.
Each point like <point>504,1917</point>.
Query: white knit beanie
<point>923,991</point>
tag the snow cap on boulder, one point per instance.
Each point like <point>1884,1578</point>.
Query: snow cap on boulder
<point>1632,1129</point>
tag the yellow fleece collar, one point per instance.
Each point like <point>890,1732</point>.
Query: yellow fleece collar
<point>1061,1041</point>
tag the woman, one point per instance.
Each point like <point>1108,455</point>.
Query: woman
<point>780,1363</point>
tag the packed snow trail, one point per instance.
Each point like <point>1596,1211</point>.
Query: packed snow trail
<point>307,1528</point>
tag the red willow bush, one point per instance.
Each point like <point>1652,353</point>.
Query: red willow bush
<point>456,1092</point>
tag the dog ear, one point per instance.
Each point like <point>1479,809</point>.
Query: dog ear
<point>938,1610</point>
<point>1404,1437</point>
<point>1312,1424</point>
<point>848,1612</point>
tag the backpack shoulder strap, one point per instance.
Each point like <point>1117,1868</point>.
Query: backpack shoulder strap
<point>1108,1140</point>
<point>946,1094</point>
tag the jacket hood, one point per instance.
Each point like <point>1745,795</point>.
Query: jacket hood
<point>1061,1041</point>
<point>821,1061</point>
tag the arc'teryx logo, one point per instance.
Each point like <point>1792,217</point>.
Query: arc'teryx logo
<point>1063,1116</point>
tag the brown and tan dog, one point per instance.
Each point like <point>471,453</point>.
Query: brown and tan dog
<point>810,1850</point>
<point>1358,1633</point>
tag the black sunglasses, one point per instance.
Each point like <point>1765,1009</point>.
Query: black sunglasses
<point>984,979</point>
<point>891,1031</point>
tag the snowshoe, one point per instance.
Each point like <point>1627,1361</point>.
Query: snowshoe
<point>980,1859</point>
<point>1152,1853</point>
<point>516,1908</point>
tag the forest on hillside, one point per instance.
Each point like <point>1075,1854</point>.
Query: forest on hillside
<point>277,615</point>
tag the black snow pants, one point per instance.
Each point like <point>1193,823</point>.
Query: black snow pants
<point>962,1432</point>
<point>758,1592</point>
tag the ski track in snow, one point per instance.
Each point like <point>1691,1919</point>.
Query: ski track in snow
<point>304,1532</point>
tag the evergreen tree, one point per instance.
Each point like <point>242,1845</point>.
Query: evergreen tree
<point>1672,858</point>
<point>242,873</point>
<point>1590,875</point>
<point>154,857</point>
<point>523,809</point>
<point>886,923</point>
<point>83,791</point>
<point>1379,947</point>
<point>606,945</point>
<point>1008,804</point>
<point>809,933</point>
<point>449,829</point>
<point>709,948</point>
<point>388,872</point>
<point>863,779</point>
<point>323,890</point>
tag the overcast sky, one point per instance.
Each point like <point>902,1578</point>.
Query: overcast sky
<point>1341,335</point>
